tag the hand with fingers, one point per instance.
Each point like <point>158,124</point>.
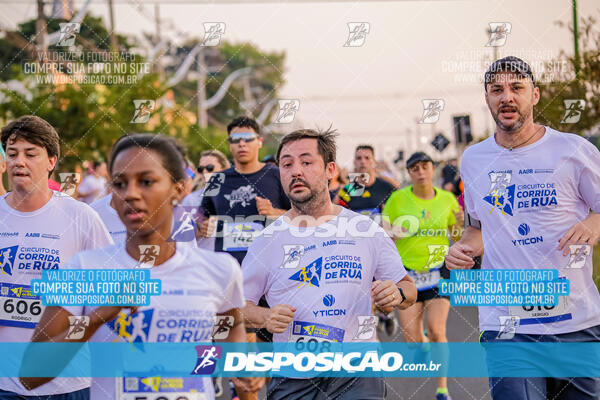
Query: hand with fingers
<point>583,232</point>
<point>264,206</point>
<point>385,295</point>
<point>460,256</point>
<point>280,316</point>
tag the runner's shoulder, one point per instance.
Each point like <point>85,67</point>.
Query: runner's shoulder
<point>223,267</point>
<point>99,258</point>
<point>569,139</point>
<point>73,206</point>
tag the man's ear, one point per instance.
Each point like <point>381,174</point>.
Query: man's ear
<point>536,95</point>
<point>52,163</point>
<point>330,169</point>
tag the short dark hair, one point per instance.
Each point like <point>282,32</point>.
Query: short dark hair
<point>325,142</point>
<point>34,130</point>
<point>365,147</point>
<point>509,64</point>
<point>172,160</point>
<point>243,122</point>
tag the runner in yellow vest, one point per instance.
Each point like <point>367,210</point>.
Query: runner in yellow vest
<point>420,218</point>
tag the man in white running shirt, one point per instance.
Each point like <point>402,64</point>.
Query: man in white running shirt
<point>40,229</point>
<point>314,275</point>
<point>529,190</point>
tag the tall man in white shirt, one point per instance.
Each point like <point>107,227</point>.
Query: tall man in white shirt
<point>40,229</point>
<point>529,190</point>
<point>329,282</point>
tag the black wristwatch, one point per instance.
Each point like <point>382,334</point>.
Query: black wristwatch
<point>402,295</point>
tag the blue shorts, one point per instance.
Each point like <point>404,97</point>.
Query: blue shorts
<point>545,388</point>
<point>326,389</point>
<point>83,394</point>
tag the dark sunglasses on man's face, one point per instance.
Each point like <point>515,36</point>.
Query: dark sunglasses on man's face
<point>208,168</point>
<point>239,136</point>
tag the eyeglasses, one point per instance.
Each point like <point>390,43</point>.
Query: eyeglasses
<point>208,168</point>
<point>239,136</point>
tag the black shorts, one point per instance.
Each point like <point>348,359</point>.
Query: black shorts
<point>433,293</point>
<point>326,389</point>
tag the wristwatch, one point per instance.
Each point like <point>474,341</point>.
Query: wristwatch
<point>401,295</point>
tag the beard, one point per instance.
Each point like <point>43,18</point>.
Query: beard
<point>305,201</point>
<point>518,124</point>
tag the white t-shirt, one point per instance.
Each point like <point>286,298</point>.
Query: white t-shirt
<point>526,200</point>
<point>29,243</point>
<point>115,226</point>
<point>325,272</point>
<point>111,219</point>
<point>196,285</point>
<point>92,188</point>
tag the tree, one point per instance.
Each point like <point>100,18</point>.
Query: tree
<point>564,85</point>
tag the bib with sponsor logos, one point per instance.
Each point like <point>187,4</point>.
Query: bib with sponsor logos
<point>239,235</point>
<point>313,332</point>
<point>157,388</point>
<point>425,280</point>
<point>18,306</point>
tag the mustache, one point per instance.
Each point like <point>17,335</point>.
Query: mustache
<point>508,108</point>
<point>297,180</point>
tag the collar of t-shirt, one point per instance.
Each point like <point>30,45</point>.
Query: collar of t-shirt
<point>49,204</point>
<point>526,148</point>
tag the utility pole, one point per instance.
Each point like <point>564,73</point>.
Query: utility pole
<point>40,28</point>
<point>114,46</point>
<point>575,39</point>
<point>201,91</point>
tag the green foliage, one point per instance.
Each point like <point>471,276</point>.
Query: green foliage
<point>586,85</point>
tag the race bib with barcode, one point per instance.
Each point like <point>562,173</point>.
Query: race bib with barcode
<point>157,388</point>
<point>237,236</point>
<point>18,306</point>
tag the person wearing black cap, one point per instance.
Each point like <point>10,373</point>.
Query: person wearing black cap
<point>419,217</point>
<point>529,180</point>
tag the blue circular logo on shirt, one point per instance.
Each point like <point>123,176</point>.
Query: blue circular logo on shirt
<point>328,300</point>
<point>523,229</point>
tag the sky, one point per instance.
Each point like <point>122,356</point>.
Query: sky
<point>373,93</point>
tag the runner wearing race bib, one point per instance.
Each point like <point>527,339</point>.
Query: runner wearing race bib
<point>367,193</point>
<point>529,190</point>
<point>420,218</point>
<point>147,180</point>
<point>317,279</point>
<point>248,193</point>
<point>40,229</point>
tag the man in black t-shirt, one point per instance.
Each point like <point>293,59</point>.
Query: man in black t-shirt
<point>244,196</point>
<point>366,193</point>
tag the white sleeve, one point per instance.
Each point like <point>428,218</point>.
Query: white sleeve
<point>74,262</point>
<point>468,195</point>
<point>388,262</point>
<point>254,272</point>
<point>233,295</point>
<point>93,232</point>
<point>589,177</point>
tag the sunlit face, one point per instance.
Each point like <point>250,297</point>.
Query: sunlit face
<point>209,165</point>
<point>28,165</point>
<point>245,152</point>
<point>511,98</point>
<point>143,191</point>
<point>364,161</point>
<point>304,174</point>
<point>421,173</point>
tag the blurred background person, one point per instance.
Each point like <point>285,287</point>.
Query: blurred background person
<point>337,182</point>
<point>93,186</point>
<point>2,169</point>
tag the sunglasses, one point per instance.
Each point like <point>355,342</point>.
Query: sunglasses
<point>239,136</point>
<point>208,168</point>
